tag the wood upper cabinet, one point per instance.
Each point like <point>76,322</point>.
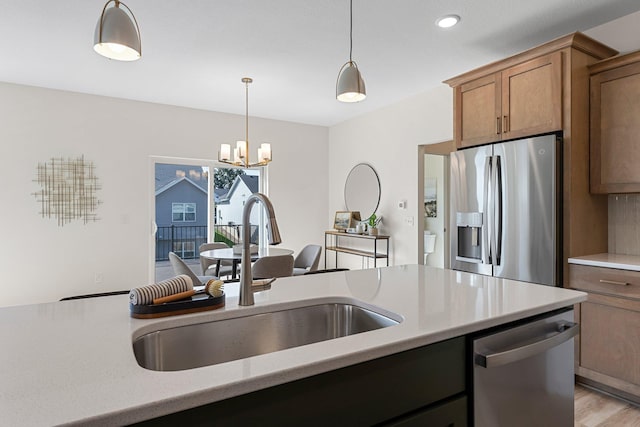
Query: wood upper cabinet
<point>615,125</point>
<point>478,107</point>
<point>532,97</point>
<point>519,101</point>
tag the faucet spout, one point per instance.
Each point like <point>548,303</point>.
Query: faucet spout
<point>246,278</point>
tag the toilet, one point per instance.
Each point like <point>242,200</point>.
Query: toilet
<point>429,244</point>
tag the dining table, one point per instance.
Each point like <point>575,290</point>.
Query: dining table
<point>228,254</point>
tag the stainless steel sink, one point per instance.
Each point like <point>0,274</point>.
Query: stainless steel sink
<point>204,344</point>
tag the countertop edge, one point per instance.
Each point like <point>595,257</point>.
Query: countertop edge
<point>605,260</point>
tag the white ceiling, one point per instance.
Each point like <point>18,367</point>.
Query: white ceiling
<point>196,51</point>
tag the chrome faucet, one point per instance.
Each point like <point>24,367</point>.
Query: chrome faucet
<point>246,279</point>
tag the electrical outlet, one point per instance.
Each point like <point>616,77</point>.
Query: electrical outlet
<point>97,278</point>
<point>408,220</point>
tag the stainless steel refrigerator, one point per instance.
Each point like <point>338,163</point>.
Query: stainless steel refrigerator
<point>505,210</point>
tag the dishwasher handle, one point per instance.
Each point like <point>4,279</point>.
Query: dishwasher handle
<point>566,331</point>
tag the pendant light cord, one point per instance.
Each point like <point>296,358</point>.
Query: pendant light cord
<point>246,81</point>
<point>350,29</point>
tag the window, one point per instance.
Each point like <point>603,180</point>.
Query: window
<point>183,212</point>
<point>185,249</point>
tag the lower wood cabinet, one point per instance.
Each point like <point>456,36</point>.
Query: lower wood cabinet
<point>423,386</point>
<point>611,341</point>
<point>609,349</point>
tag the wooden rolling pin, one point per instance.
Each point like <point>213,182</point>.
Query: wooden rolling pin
<point>174,297</point>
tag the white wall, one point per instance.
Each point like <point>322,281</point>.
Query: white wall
<point>388,139</point>
<point>41,261</point>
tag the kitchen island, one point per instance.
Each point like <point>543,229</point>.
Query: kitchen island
<point>72,362</point>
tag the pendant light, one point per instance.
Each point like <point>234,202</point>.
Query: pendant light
<point>350,86</point>
<point>117,34</point>
<point>241,151</point>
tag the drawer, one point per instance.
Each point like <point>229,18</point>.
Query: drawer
<point>608,281</point>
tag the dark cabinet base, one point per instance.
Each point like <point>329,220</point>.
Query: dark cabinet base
<point>402,389</point>
<point>452,413</point>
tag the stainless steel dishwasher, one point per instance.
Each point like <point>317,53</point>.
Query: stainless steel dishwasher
<point>524,375</point>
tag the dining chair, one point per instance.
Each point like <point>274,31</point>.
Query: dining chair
<point>215,267</point>
<point>180,267</point>
<point>307,260</point>
<point>273,266</point>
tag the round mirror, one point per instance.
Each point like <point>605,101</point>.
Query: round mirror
<point>362,190</point>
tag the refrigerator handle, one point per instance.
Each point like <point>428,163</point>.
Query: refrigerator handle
<point>492,218</point>
<point>498,209</point>
<point>486,259</point>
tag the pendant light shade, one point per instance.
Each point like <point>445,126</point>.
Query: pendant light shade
<point>350,85</point>
<point>117,35</point>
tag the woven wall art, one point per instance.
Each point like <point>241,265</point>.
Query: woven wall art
<point>68,190</point>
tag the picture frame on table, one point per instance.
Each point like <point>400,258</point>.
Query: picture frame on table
<point>345,219</point>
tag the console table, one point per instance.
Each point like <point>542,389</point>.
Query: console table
<point>336,240</point>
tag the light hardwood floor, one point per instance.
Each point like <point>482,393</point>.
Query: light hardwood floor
<point>596,409</point>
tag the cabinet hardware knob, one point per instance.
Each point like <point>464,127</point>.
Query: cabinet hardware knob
<point>613,282</point>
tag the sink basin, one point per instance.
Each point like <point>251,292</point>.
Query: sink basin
<point>204,344</point>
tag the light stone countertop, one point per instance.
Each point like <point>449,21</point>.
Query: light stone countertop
<point>606,260</point>
<point>72,362</point>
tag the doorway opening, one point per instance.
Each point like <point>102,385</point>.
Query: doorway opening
<point>433,188</point>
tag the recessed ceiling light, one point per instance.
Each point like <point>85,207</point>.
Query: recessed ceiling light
<point>447,21</point>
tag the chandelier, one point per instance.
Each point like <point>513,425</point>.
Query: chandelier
<point>241,150</point>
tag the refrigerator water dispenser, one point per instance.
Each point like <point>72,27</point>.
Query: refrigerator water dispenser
<point>469,226</point>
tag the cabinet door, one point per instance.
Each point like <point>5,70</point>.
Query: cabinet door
<point>610,341</point>
<point>450,414</point>
<point>615,126</point>
<point>532,97</point>
<point>477,111</point>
